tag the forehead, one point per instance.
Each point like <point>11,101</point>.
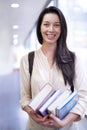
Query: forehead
<point>51,17</point>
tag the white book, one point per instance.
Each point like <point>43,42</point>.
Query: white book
<point>43,109</point>
<point>67,105</point>
<point>41,97</point>
<point>58,101</point>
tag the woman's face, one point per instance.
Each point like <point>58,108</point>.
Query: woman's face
<point>50,28</point>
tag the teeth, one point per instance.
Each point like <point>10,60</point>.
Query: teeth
<point>50,35</point>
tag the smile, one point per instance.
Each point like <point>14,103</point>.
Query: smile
<point>50,36</point>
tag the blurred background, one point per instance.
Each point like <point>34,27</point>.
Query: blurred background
<point>18,36</point>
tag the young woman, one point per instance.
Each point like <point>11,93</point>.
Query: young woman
<point>56,64</point>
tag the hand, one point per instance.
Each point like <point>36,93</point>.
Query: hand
<point>55,122</point>
<point>48,121</point>
<point>37,117</point>
<point>69,119</point>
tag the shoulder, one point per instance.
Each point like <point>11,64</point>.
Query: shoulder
<point>80,67</point>
<point>78,60</point>
<point>24,58</point>
<point>24,62</point>
<point>35,53</point>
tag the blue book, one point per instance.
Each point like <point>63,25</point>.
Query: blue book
<point>67,105</point>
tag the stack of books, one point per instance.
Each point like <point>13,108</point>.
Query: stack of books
<point>58,102</point>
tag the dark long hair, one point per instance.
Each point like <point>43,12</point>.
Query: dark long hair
<point>65,59</point>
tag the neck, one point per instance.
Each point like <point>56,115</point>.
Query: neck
<point>48,49</point>
<point>49,52</point>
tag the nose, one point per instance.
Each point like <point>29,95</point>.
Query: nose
<point>51,28</point>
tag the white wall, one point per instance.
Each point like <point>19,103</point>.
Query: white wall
<point>5,51</point>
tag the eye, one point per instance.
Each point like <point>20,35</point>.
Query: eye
<point>57,25</point>
<point>46,24</point>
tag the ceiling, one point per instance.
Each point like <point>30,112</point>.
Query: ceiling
<point>25,17</point>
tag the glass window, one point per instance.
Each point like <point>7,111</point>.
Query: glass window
<point>76,16</point>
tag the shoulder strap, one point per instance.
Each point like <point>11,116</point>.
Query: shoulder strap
<point>30,60</point>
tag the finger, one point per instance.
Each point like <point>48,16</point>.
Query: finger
<point>54,117</point>
<point>45,117</point>
<point>48,123</point>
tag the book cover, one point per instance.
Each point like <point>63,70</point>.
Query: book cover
<point>57,102</point>
<point>43,109</point>
<point>67,105</point>
<point>41,97</point>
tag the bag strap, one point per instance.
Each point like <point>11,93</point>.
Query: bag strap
<point>30,61</point>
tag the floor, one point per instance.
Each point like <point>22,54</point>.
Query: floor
<point>12,117</point>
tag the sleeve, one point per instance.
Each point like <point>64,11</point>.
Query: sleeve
<point>24,82</point>
<point>81,86</point>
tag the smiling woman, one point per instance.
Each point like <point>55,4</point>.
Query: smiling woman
<point>53,63</point>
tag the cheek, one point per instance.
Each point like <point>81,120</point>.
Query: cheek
<point>41,30</point>
<point>59,32</point>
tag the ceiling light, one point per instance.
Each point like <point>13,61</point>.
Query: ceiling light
<point>14,5</point>
<point>15,39</point>
<point>15,27</point>
<point>15,42</point>
<point>15,36</point>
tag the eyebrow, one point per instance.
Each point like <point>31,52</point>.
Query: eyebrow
<point>48,21</point>
<point>57,22</point>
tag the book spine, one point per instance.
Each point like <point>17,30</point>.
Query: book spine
<point>57,102</point>
<point>44,100</point>
<point>61,113</point>
<point>41,97</point>
<point>43,109</point>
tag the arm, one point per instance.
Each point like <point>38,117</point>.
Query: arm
<point>57,123</point>
<point>24,82</point>
<point>25,91</point>
<point>81,86</point>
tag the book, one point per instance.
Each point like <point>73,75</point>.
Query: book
<point>42,97</point>
<point>43,109</point>
<point>52,107</point>
<point>63,109</point>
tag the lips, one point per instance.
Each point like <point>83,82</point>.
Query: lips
<point>50,36</point>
